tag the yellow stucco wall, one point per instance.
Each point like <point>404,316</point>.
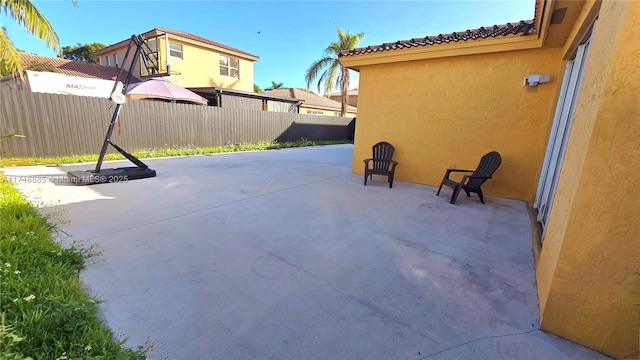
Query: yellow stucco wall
<point>448,112</point>
<point>586,283</point>
<point>200,67</point>
<point>121,51</point>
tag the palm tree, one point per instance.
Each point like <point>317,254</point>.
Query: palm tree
<point>333,69</point>
<point>27,15</point>
<point>274,85</point>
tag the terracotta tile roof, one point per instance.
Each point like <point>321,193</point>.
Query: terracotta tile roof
<point>523,28</point>
<point>186,35</point>
<point>206,41</point>
<point>70,67</point>
<point>310,99</point>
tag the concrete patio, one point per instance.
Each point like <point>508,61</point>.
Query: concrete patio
<point>286,255</point>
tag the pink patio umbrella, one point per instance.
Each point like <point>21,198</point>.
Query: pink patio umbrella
<point>159,89</point>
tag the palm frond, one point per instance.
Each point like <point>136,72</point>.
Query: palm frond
<point>27,15</point>
<point>333,49</point>
<point>315,68</point>
<point>333,67</point>
<point>9,56</point>
<point>349,41</point>
<point>352,41</point>
<point>328,79</point>
<point>6,136</point>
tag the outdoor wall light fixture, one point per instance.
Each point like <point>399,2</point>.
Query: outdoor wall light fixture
<point>534,80</point>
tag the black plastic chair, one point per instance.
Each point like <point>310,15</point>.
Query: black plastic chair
<point>381,163</point>
<point>472,183</point>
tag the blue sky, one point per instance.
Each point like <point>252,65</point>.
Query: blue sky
<point>292,33</point>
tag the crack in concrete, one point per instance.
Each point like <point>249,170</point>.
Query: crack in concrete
<point>476,340</point>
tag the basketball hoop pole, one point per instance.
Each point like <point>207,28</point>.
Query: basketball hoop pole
<point>116,112</point>
<point>119,174</point>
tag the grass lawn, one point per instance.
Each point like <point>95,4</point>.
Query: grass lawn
<point>45,311</point>
<point>164,152</point>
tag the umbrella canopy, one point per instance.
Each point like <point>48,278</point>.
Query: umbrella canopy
<point>159,89</point>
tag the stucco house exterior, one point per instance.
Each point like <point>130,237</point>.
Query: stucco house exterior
<point>352,97</point>
<point>191,60</point>
<point>568,144</point>
<point>313,104</point>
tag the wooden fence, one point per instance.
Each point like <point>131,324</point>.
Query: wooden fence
<point>60,125</point>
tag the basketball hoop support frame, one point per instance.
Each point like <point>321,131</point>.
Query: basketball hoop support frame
<point>124,174</point>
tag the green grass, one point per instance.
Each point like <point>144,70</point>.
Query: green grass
<point>164,152</point>
<point>45,312</point>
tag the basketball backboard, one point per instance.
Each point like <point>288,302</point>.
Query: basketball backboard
<point>153,57</point>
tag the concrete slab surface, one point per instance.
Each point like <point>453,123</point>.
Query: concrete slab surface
<point>284,254</point>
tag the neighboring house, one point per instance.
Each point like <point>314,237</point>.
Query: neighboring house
<point>569,146</point>
<point>190,60</point>
<point>61,76</point>
<point>352,96</point>
<point>311,103</point>
<point>238,99</point>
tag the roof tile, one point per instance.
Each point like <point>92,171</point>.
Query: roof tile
<point>521,28</point>
<point>70,67</point>
<point>309,98</point>
<point>206,41</point>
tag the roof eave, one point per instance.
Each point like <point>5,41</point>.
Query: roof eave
<point>499,44</point>
<point>239,53</point>
<point>542,15</point>
<point>219,46</point>
<point>161,31</point>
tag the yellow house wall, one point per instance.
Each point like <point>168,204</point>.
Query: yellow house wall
<point>121,51</point>
<point>200,67</point>
<point>587,287</point>
<point>448,112</point>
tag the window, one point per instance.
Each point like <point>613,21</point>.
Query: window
<point>229,67</point>
<point>315,112</point>
<point>175,50</point>
<point>115,59</point>
<point>108,60</point>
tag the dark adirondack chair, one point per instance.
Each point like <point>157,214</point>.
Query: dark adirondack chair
<point>381,163</point>
<point>472,183</point>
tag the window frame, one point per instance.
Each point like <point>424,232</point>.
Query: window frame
<point>228,66</point>
<point>115,59</point>
<point>108,60</point>
<point>171,51</point>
